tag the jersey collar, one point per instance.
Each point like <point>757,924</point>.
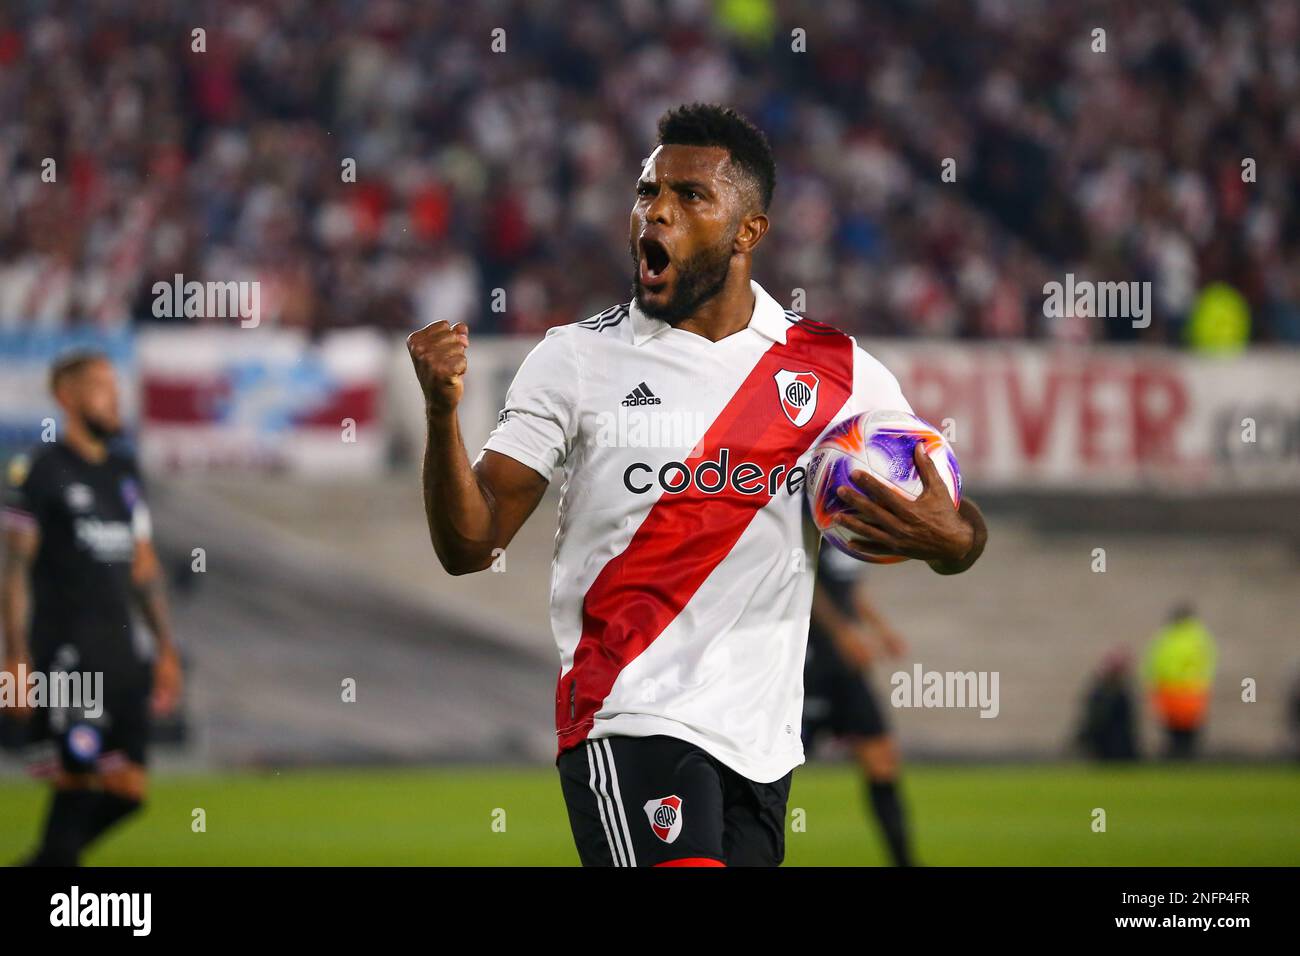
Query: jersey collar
<point>768,319</point>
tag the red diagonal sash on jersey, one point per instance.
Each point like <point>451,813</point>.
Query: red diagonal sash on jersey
<point>686,535</point>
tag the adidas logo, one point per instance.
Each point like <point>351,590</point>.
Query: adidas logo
<point>641,395</point>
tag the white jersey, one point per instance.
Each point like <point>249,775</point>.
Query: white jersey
<point>683,574</point>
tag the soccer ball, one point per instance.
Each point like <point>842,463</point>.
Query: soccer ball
<point>881,443</point>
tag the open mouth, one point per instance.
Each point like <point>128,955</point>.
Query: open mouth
<point>655,262</point>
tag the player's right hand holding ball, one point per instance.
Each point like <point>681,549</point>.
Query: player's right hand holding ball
<point>438,354</point>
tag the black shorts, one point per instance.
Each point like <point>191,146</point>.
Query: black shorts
<point>100,739</point>
<point>837,698</point>
<point>650,801</point>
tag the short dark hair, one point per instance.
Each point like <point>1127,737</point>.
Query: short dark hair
<point>707,124</point>
<point>71,362</point>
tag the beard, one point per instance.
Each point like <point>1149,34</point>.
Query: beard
<point>699,278</point>
<point>101,430</point>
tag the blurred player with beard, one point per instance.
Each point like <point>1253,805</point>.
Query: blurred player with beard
<point>679,600</point>
<point>78,541</point>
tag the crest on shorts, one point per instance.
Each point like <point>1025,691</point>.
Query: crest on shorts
<point>84,742</point>
<point>665,816</point>
<point>798,391</point>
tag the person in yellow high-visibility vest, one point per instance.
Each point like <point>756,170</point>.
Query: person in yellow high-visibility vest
<point>1179,669</point>
<point>1220,320</point>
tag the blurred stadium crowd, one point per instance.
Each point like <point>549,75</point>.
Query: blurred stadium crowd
<point>479,170</point>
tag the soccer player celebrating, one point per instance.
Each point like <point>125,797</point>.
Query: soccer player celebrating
<point>77,533</point>
<point>681,586</point>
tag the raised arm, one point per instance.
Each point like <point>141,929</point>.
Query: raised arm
<point>471,511</point>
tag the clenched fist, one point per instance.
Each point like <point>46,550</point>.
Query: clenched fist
<point>438,354</point>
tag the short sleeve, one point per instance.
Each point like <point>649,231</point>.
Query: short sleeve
<point>537,424</point>
<point>874,386</point>
<point>21,505</point>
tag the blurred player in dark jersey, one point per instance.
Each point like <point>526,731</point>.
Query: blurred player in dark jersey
<point>78,557</point>
<point>845,635</point>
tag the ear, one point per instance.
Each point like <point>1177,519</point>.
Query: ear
<point>750,232</point>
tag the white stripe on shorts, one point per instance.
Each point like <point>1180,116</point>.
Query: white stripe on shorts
<point>602,802</point>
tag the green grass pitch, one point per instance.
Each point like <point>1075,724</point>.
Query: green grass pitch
<point>962,815</point>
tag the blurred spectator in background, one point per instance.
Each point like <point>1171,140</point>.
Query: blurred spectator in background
<point>380,163</point>
<point>1107,730</point>
<point>1179,670</point>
